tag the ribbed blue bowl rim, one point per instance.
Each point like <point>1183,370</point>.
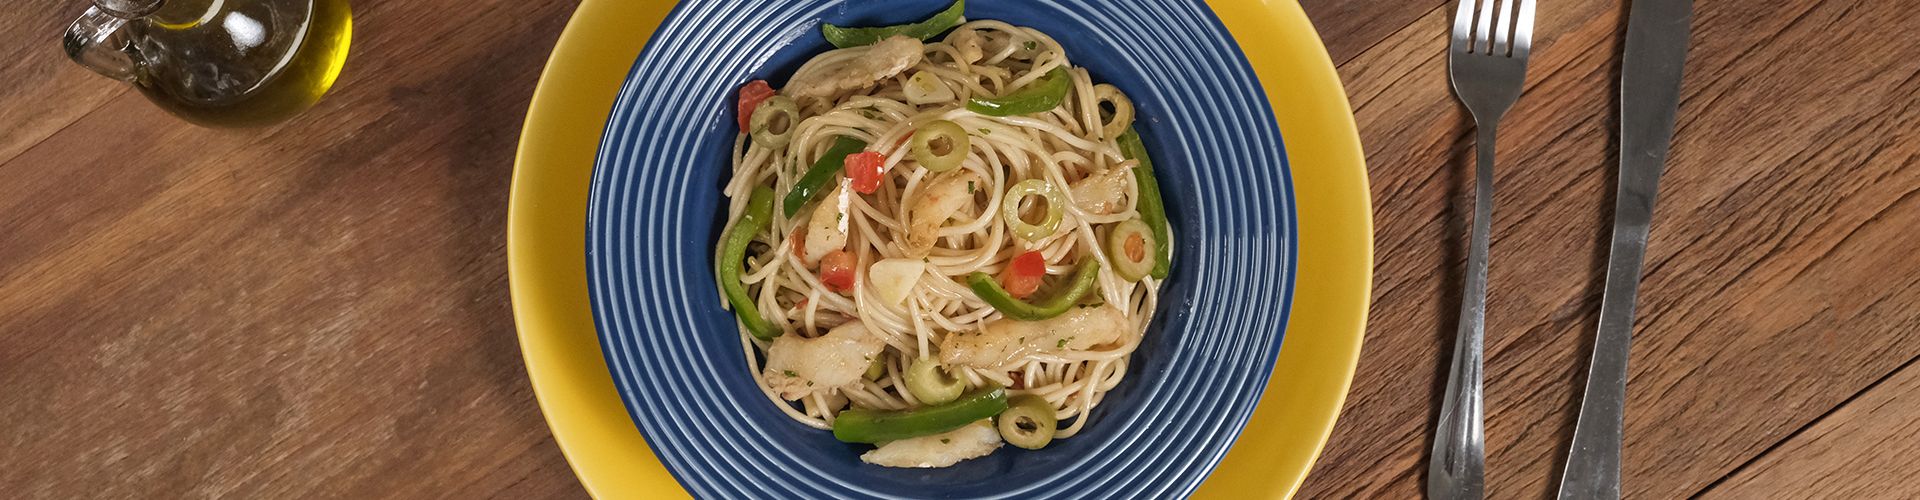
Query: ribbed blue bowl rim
<point>655,212</point>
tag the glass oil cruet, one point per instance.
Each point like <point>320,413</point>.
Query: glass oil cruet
<point>221,63</point>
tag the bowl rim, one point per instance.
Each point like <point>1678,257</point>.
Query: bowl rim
<point>561,348</point>
<point>635,278</point>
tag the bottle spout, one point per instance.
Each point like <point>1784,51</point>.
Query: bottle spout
<point>98,40</point>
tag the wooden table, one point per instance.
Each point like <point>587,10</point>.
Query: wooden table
<point>319,308</point>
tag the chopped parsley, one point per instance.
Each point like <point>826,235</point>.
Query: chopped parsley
<point>839,217</point>
<point>1062,343</point>
<point>969,187</point>
<point>986,131</point>
<point>945,440</point>
<point>1030,44</point>
<point>790,373</point>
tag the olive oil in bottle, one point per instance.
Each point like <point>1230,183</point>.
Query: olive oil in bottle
<point>223,63</point>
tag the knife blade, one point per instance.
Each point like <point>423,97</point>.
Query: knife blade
<point>1650,70</point>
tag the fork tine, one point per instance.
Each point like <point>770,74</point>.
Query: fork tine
<point>1523,30</point>
<point>1502,33</point>
<point>1463,27</point>
<point>1483,36</point>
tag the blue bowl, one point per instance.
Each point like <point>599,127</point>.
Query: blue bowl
<point>655,213</point>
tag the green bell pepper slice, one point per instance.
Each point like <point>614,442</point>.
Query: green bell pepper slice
<point>1039,95</point>
<point>814,183</point>
<point>989,290</point>
<point>861,425</point>
<point>1151,209</point>
<point>734,250</point>
<point>854,37</point>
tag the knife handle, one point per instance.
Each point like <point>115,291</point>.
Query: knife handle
<point>1652,61</point>
<point>1593,463</point>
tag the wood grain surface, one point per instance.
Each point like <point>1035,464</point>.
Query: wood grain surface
<point>318,309</point>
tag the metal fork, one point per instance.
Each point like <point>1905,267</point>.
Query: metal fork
<point>1487,60</point>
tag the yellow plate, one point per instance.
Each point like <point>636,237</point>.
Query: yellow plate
<point>546,263</point>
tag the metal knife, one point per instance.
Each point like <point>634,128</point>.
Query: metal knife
<point>1656,51</point>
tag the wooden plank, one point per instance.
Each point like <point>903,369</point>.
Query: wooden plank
<point>317,309</point>
<point>1350,28</point>
<point>1863,450</point>
<point>1791,174</point>
<point>44,92</point>
<point>1418,147</point>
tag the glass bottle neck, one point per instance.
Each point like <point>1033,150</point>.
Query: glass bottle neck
<point>129,9</point>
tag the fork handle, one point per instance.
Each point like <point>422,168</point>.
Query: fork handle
<point>1458,466</point>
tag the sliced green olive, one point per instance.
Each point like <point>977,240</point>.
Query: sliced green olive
<point>1028,422</point>
<point>1122,117</point>
<point>1050,222</point>
<point>878,368</point>
<point>931,384</point>
<point>940,145</point>
<point>773,122</point>
<point>1130,246</point>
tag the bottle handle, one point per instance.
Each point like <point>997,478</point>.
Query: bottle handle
<point>98,40</point>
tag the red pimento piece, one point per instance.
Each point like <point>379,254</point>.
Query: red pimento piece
<point>1136,247</point>
<point>863,169</point>
<point>798,239</point>
<point>1023,276</point>
<point>751,95</point>
<point>836,271</point>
